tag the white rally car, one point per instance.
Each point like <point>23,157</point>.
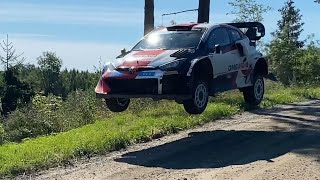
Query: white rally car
<point>188,63</point>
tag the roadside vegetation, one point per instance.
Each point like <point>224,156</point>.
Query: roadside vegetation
<point>50,116</point>
<point>145,121</point>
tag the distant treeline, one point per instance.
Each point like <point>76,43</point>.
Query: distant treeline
<point>19,83</point>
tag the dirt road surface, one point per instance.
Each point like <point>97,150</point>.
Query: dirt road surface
<point>277,143</point>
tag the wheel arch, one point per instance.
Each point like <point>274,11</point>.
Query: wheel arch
<point>201,68</point>
<point>261,67</point>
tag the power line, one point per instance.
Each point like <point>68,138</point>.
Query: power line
<point>179,12</point>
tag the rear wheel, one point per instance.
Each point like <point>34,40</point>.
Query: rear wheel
<point>117,104</point>
<point>200,95</point>
<point>253,95</point>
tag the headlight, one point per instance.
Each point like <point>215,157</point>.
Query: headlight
<point>171,65</point>
<point>107,67</point>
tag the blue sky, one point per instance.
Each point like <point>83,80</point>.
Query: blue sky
<point>82,31</point>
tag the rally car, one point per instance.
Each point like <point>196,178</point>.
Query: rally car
<point>188,63</point>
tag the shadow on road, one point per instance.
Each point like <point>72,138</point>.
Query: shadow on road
<point>224,148</point>
<point>215,149</point>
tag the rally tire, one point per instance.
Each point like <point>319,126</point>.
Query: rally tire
<point>117,104</point>
<point>253,95</point>
<point>199,101</point>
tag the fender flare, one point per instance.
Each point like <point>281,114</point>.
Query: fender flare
<point>261,66</point>
<point>194,62</point>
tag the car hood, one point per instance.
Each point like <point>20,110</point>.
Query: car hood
<point>151,58</point>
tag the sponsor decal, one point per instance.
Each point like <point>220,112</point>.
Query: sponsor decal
<point>147,73</point>
<point>247,73</point>
<point>235,67</point>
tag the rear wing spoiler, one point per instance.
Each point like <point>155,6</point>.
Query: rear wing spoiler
<point>254,30</point>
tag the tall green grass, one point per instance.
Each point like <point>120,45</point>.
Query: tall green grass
<point>130,127</point>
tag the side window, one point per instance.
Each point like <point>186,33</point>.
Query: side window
<point>235,35</point>
<point>220,37</point>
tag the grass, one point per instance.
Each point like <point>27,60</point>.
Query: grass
<point>128,128</point>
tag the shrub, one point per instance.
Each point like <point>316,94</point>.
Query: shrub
<point>49,114</point>
<point>47,104</point>
<point>2,134</point>
<point>29,122</point>
<point>79,109</point>
<point>308,65</point>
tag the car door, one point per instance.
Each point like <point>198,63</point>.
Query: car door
<point>224,62</point>
<point>240,55</point>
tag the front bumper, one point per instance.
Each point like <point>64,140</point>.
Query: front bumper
<point>154,84</point>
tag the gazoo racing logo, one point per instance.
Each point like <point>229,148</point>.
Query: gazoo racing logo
<point>235,67</point>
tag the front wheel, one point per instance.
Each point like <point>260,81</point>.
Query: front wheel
<point>200,95</point>
<point>117,104</point>
<point>253,95</point>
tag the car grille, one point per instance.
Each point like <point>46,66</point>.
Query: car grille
<point>138,69</point>
<point>133,86</point>
<point>174,84</point>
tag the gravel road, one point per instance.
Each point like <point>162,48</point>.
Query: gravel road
<point>277,143</point>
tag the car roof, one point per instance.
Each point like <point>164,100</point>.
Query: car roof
<point>203,25</point>
<point>206,25</point>
<point>193,26</point>
<point>210,26</point>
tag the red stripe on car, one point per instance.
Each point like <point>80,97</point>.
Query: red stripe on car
<point>149,53</point>
<point>137,63</point>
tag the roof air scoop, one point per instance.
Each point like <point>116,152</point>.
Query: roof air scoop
<point>182,27</point>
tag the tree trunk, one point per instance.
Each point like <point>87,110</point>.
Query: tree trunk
<point>148,16</point>
<point>204,11</point>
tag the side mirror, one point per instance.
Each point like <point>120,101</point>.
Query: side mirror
<point>123,51</point>
<point>217,49</point>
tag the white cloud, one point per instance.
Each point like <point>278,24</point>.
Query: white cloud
<point>79,55</point>
<point>58,14</point>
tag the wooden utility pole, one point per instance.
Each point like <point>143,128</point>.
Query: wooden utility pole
<point>148,16</point>
<point>204,11</point>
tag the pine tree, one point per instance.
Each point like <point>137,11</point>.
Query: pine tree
<point>15,93</point>
<point>11,57</point>
<point>284,49</point>
<point>290,26</point>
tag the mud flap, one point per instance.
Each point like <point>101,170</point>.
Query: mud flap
<point>271,77</point>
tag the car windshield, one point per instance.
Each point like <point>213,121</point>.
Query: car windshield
<point>170,40</point>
